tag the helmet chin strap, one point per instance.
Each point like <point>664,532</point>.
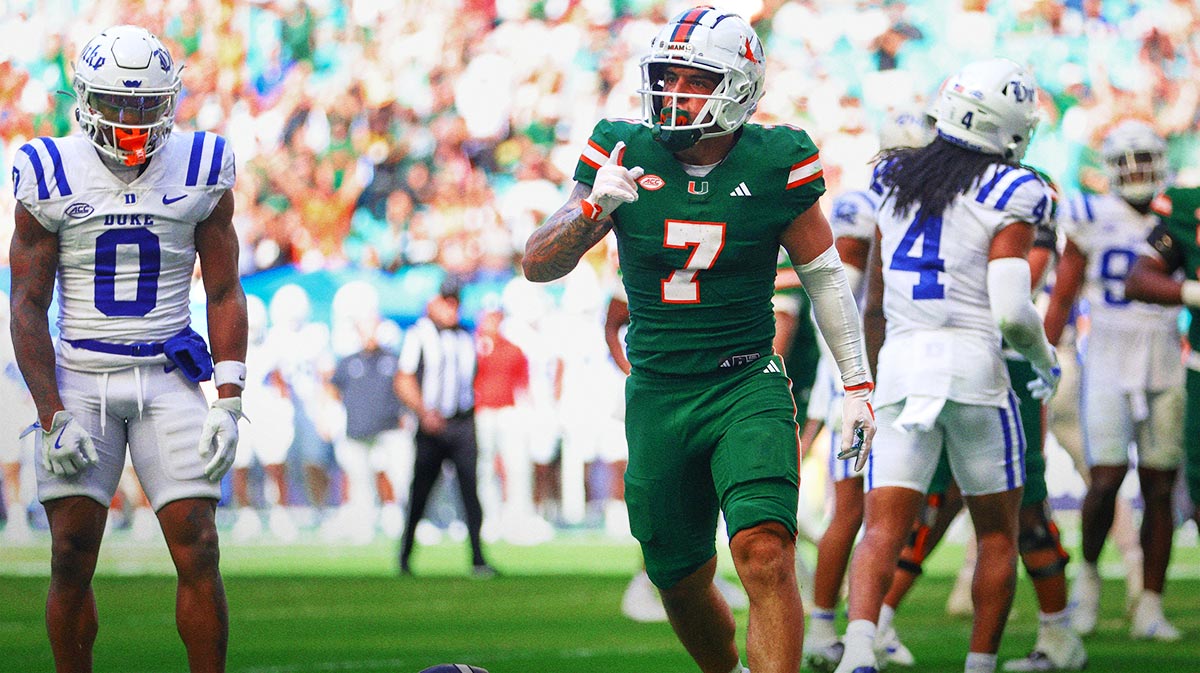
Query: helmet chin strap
<point>132,141</point>
<point>675,140</point>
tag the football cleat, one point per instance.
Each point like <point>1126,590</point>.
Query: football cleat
<point>1149,623</point>
<point>641,602</point>
<point>824,658</point>
<point>889,650</point>
<point>1038,660</point>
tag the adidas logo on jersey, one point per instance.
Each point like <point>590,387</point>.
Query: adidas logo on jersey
<point>771,368</point>
<point>742,190</point>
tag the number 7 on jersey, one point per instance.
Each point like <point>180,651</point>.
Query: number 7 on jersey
<point>708,238</point>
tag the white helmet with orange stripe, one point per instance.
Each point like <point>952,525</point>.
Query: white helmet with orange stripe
<point>712,40</point>
<point>127,86</point>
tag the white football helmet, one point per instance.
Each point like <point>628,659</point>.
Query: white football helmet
<point>126,86</point>
<point>990,107</point>
<point>708,39</point>
<point>1136,157</point>
<point>906,128</point>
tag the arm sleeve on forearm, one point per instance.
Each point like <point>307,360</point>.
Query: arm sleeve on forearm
<point>836,314</point>
<point>1013,310</point>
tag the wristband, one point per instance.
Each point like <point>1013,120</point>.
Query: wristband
<point>229,371</point>
<point>1190,293</point>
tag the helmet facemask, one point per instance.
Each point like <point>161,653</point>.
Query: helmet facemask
<point>127,126</point>
<point>707,40</point>
<point>1136,158</point>
<point>127,87</point>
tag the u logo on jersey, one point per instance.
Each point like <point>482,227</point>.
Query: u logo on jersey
<point>694,188</point>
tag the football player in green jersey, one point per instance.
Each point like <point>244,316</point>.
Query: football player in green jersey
<point>1174,245</point>
<point>710,417</point>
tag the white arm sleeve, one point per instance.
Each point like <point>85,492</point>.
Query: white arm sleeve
<point>1012,309</point>
<point>836,314</point>
<point>854,276</point>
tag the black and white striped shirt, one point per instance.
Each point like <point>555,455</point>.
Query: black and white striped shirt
<point>444,364</point>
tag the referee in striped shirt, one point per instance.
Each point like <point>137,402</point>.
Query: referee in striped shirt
<point>436,373</point>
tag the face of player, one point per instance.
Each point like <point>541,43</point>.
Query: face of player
<point>689,82</point>
<point>130,110</point>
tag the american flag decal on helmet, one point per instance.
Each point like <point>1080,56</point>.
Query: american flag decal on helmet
<point>805,172</point>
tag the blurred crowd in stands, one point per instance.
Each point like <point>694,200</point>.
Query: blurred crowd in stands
<point>390,134</point>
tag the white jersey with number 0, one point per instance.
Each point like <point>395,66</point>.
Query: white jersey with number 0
<point>126,250</point>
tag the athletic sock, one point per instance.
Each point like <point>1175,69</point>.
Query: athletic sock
<point>821,630</point>
<point>979,662</point>
<point>886,614</point>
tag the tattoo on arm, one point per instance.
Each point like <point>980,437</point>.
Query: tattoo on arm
<point>557,246</point>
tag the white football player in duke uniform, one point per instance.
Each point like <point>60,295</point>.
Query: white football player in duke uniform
<point>121,212</point>
<point>1133,376</point>
<point>853,221</point>
<point>949,280</point>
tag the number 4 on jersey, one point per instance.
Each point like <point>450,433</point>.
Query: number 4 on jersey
<point>928,264</point>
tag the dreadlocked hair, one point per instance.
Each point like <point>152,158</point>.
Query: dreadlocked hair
<point>931,176</point>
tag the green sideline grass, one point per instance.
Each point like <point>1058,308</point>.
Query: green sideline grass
<point>316,608</point>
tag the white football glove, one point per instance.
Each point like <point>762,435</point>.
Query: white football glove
<point>858,424</point>
<point>613,186</point>
<point>219,437</point>
<point>1043,387</point>
<point>67,448</point>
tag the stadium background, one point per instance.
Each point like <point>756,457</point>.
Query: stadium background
<point>396,142</point>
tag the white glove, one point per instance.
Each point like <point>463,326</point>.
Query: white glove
<point>858,424</point>
<point>1043,387</point>
<point>613,186</point>
<point>219,437</point>
<point>66,447</point>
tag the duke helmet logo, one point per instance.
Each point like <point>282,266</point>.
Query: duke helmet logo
<point>91,56</point>
<point>79,210</point>
<point>133,83</point>
<point>164,59</point>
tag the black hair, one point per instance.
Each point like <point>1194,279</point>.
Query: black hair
<point>933,175</point>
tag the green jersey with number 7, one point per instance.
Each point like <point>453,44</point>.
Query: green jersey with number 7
<point>698,248</point>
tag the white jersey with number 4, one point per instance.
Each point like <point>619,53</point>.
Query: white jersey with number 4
<point>1131,345</point>
<point>942,341</point>
<point>126,251</point>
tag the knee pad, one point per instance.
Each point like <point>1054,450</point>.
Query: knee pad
<point>1043,536</point>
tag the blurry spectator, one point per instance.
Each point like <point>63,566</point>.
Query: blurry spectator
<point>375,442</point>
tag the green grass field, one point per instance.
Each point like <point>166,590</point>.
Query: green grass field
<point>314,608</point>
